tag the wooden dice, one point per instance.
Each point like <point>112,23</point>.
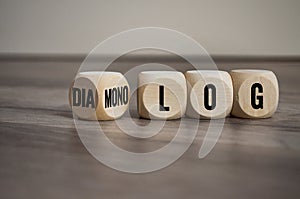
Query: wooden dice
<point>210,94</point>
<point>256,93</point>
<point>162,95</point>
<point>99,95</point>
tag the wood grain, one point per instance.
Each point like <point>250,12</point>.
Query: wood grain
<point>41,155</point>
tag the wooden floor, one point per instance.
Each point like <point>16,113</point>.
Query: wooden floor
<point>41,155</point>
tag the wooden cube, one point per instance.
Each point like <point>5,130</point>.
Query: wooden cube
<point>99,95</point>
<point>256,93</point>
<point>210,94</point>
<point>162,95</point>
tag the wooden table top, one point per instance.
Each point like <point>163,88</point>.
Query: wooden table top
<point>41,155</point>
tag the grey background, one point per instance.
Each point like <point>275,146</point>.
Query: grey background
<point>256,27</point>
<point>41,155</point>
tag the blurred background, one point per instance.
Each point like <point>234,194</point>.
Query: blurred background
<point>42,45</point>
<point>226,28</point>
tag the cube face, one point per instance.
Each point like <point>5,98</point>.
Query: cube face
<point>256,93</point>
<point>162,95</point>
<point>210,94</point>
<point>84,98</point>
<point>168,95</point>
<point>99,95</point>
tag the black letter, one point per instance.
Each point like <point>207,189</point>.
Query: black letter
<point>161,100</point>
<point>76,92</point>
<point>259,98</point>
<point>90,99</point>
<point>107,98</point>
<point>83,97</point>
<point>120,94</point>
<point>211,106</point>
<point>125,95</point>
<point>114,97</point>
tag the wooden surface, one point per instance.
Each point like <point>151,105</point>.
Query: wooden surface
<point>41,155</point>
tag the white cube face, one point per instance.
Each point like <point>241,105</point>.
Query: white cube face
<point>256,93</point>
<point>210,94</point>
<point>99,95</point>
<point>162,95</point>
<point>84,98</point>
